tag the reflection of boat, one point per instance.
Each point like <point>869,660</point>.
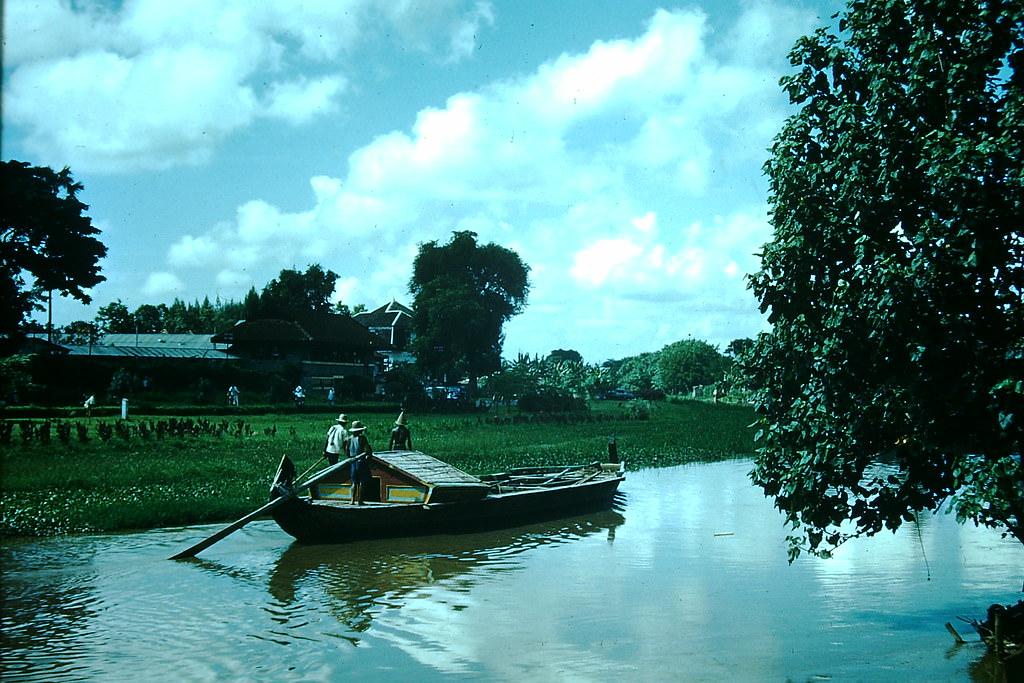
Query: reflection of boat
<point>356,580</point>
<point>411,494</point>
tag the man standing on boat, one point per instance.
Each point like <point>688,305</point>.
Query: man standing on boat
<point>337,438</point>
<point>401,439</point>
<point>359,448</point>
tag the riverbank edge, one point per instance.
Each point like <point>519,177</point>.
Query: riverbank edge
<point>692,459</point>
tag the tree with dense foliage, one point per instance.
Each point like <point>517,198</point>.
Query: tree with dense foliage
<point>554,376</point>
<point>737,347</point>
<point>292,289</point>
<point>568,355</point>
<point>689,363</point>
<point>80,332</point>
<point>638,374</point>
<point>15,376</point>
<point>149,318</point>
<point>114,318</point>
<point>463,295</point>
<point>892,381</point>
<point>44,235</point>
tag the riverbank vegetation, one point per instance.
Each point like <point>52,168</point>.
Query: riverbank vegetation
<point>102,474</point>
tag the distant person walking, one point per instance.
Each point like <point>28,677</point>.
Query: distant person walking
<point>359,448</point>
<point>233,395</point>
<point>299,394</point>
<point>90,401</point>
<point>401,438</point>
<point>330,396</point>
<point>337,440</point>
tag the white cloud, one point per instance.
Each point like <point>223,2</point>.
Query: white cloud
<point>501,161</point>
<point>603,259</point>
<point>465,35</point>
<point>161,285</point>
<point>627,174</point>
<point>100,107</point>
<point>192,251</point>
<point>300,100</point>
<point>647,224</point>
<point>153,84</point>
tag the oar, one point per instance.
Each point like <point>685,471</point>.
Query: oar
<point>230,529</point>
<point>311,467</point>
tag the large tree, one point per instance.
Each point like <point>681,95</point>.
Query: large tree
<point>892,380</point>
<point>689,363</point>
<point>463,295</point>
<point>293,289</point>
<point>114,318</point>
<point>47,243</point>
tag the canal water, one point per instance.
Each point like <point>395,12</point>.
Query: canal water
<point>686,580</point>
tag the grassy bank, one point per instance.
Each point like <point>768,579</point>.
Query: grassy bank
<point>100,474</point>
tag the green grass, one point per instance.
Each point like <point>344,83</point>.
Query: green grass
<point>139,480</point>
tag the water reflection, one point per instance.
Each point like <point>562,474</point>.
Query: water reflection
<point>356,580</point>
<point>688,580</point>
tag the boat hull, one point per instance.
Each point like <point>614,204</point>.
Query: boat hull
<point>321,521</point>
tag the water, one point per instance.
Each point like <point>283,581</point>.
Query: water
<point>687,580</point>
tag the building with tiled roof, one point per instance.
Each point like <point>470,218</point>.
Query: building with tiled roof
<point>326,346</point>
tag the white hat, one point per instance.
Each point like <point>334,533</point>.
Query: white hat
<point>342,419</point>
<point>356,427</point>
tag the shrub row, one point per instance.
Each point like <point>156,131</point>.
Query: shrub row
<point>43,432</point>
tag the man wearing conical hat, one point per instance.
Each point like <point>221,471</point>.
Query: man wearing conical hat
<point>401,439</point>
<point>337,437</point>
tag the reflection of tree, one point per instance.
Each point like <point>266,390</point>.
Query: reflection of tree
<point>356,580</point>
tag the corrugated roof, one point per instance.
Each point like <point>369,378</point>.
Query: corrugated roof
<point>101,350</point>
<point>181,341</point>
<point>427,469</point>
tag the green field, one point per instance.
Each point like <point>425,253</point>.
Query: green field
<point>100,474</point>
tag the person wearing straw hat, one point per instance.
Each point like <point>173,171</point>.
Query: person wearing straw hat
<point>359,449</point>
<point>401,439</point>
<point>337,438</point>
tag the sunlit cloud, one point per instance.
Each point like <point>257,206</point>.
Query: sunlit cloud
<point>626,171</point>
<point>153,85</point>
<point>161,284</point>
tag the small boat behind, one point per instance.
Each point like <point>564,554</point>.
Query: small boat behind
<point>411,493</point>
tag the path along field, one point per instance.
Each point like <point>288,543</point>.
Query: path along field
<point>159,472</point>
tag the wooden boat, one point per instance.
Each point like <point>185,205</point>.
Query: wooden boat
<point>1003,633</point>
<point>413,494</point>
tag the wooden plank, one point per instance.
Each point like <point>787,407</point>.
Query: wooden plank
<point>551,479</point>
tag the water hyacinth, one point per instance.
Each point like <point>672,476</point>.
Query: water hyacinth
<point>145,473</point>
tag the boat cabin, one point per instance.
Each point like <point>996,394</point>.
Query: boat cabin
<point>406,477</point>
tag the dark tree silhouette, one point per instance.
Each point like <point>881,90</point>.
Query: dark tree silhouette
<point>47,243</point>
<point>463,295</point>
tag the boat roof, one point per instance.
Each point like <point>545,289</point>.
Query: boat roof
<point>425,468</point>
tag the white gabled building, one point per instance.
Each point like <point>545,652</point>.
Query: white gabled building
<point>392,322</point>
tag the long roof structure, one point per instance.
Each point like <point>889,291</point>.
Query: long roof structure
<point>426,469</point>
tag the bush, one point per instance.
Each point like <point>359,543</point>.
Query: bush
<point>651,394</point>
<point>551,401</point>
<point>639,410</point>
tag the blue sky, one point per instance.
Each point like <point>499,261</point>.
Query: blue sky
<point>617,146</point>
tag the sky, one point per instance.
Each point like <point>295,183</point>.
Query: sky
<point>616,145</point>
